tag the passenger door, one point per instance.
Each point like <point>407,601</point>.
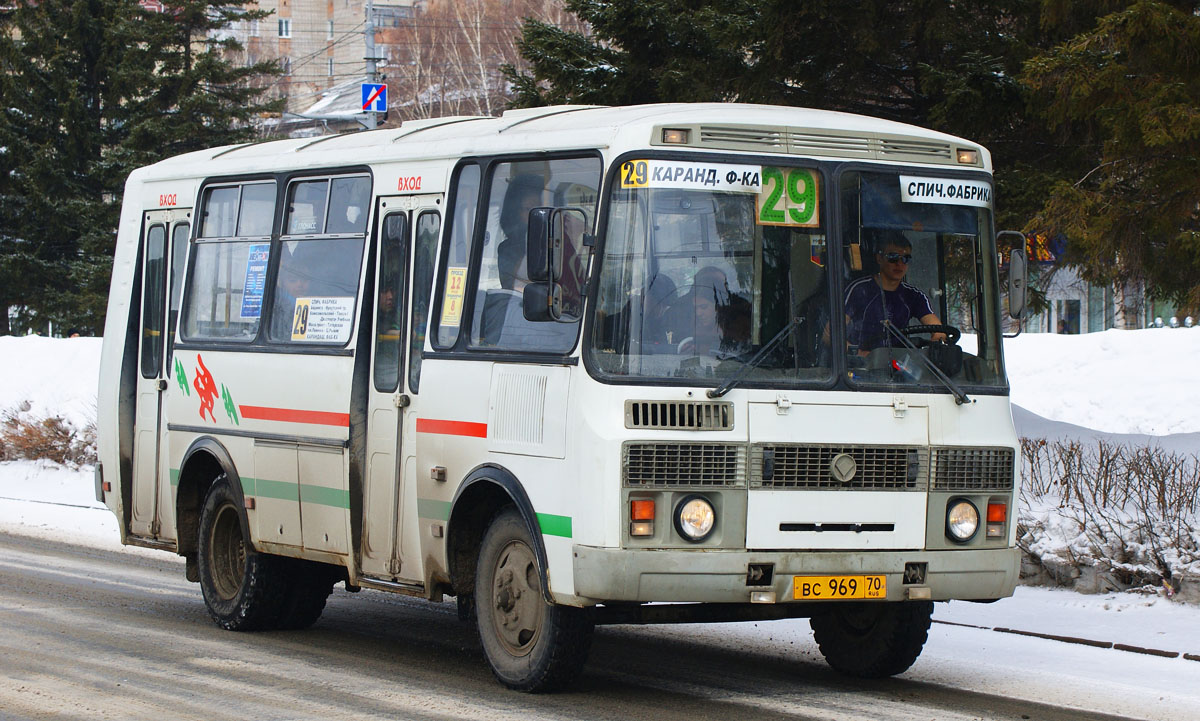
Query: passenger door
<point>164,249</point>
<point>408,229</point>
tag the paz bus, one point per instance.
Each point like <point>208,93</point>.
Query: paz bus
<point>572,366</point>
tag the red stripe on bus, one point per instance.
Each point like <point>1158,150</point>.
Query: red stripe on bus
<point>290,415</point>
<point>452,428</point>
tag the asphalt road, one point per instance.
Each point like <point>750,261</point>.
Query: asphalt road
<point>91,634</point>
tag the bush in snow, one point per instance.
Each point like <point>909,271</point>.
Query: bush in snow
<point>1110,517</point>
<point>24,435</point>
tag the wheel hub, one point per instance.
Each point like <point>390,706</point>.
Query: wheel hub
<point>517,604</point>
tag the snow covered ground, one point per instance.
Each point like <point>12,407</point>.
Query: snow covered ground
<point>1132,386</point>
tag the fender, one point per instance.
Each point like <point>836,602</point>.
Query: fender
<point>214,448</point>
<point>502,477</point>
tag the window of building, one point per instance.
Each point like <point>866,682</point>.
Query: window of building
<point>329,32</point>
<point>285,27</point>
<point>253,28</point>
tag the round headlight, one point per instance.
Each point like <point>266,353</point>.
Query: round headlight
<point>695,518</point>
<point>962,520</point>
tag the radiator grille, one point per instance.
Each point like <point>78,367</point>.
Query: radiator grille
<point>884,468</point>
<point>972,469</point>
<point>679,415</point>
<point>684,464</point>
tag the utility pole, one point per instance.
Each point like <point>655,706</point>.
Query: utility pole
<point>370,121</point>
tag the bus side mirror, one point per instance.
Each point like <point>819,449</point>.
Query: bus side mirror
<point>1017,275</point>
<point>542,301</point>
<point>543,251</point>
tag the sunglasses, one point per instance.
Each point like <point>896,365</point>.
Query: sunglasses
<point>897,258</point>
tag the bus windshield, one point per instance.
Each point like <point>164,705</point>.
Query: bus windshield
<point>695,281</point>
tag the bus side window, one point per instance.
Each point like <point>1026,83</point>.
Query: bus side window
<point>389,303</point>
<point>316,286</point>
<point>179,240</point>
<point>456,256</point>
<point>429,224</point>
<point>153,300</point>
<point>224,294</point>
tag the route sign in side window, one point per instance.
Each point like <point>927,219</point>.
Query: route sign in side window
<point>453,281</point>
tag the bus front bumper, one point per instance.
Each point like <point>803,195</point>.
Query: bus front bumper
<point>715,576</point>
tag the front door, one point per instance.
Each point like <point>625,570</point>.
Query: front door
<point>407,236</point>
<point>164,247</point>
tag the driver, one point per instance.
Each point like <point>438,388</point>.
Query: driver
<point>873,298</point>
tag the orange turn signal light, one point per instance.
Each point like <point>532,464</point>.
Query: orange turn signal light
<point>997,512</point>
<point>641,510</point>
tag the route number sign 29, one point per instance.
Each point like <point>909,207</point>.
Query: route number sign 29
<point>789,197</point>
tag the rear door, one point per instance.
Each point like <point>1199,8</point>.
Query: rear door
<point>164,249</point>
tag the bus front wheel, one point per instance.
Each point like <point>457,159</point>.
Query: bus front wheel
<point>531,645</point>
<point>872,640</point>
<point>243,589</point>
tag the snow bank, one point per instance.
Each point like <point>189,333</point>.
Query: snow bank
<point>1118,381</point>
<point>57,376</point>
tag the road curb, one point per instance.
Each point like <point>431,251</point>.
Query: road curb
<point>1080,641</point>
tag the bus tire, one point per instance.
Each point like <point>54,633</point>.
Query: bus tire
<point>531,645</point>
<point>872,640</point>
<point>243,589</point>
<point>309,585</point>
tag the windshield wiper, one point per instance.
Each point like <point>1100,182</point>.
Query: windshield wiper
<point>959,396</point>
<point>753,362</point>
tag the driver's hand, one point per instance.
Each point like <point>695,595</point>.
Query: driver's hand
<point>938,337</point>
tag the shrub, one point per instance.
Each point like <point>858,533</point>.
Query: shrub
<point>1106,516</point>
<point>24,435</point>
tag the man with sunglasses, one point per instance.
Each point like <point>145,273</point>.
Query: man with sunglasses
<point>885,296</point>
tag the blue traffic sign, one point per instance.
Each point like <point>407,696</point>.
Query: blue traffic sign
<point>374,97</point>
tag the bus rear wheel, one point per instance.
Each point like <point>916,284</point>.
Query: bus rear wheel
<point>872,640</point>
<point>309,585</point>
<point>243,589</point>
<point>531,645</point>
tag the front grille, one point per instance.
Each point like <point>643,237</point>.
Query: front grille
<point>883,468</point>
<point>972,469</point>
<point>679,415</point>
<point>684,464</point>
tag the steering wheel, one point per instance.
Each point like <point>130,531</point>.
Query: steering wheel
<point>952,333</point>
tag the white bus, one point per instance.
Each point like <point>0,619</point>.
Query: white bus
<point>572,366</point>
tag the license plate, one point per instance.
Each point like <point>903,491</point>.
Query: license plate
<point>839,588</point>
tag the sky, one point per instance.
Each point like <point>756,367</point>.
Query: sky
<point>1128,385</point>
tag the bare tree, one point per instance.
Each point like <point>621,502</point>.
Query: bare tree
<point>446,59</point>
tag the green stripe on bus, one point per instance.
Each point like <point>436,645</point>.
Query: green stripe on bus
<point>285,491</point>
<point>323,496</point>
<point>555,525</point>
<point>174,473</point>
<point>433,510</point>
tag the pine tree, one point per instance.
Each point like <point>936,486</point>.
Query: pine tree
<point>89,90</point>
<point>1126,90</point>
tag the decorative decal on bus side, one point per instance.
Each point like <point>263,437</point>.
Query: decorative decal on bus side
<point>230,408</point>
<point>206,389</point>
<point>181,378</point>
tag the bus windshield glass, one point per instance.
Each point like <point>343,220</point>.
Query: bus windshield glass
<point>919,265</point>
<point>704,264</point>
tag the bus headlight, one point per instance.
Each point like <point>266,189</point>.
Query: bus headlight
<point>962,520</point>
<point>695,518</point>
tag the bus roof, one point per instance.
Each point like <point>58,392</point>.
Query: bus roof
<point>762,129</point>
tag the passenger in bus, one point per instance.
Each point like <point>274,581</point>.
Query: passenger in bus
<point>709,319</point>
<point>872,299</point>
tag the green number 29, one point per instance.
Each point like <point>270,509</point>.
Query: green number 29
<point>801,203</point>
